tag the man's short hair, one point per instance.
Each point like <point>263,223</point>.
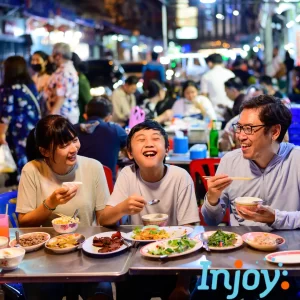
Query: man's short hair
<point>267,80</point>
<point>154,55</point>
<point>234,83</point>
<point>147,125</point>
<point>63,49</point>
<point>271,112</point>
<point>131,80</point>
<point>99,107</point>
<point>215,59</point>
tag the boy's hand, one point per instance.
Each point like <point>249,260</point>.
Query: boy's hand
<point>133,205</point>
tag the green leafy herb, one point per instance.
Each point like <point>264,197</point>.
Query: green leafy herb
<point>221,239</point>
<point>174,246</point>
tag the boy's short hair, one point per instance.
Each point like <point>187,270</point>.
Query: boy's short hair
<point>147,125</point>
<point>99,107</point>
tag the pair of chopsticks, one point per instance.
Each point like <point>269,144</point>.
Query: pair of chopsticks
<point>232,178</point>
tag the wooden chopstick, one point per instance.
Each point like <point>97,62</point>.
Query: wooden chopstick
<point>233,178</point>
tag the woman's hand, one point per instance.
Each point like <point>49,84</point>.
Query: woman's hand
<point>61,196</point>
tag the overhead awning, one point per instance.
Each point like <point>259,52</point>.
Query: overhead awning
<point>40,8</point>
<point>10,3</point>
<point>114,29</point>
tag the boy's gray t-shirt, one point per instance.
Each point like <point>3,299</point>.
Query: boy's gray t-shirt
<point>175,191</point>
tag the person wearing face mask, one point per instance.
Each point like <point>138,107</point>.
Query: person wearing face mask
<point>156,93</point>
<point>192,103</point>
<point>41,67</point>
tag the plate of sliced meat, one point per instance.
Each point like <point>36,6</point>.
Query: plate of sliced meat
<point>104,243</point>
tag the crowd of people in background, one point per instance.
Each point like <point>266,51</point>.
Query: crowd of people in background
<point>56,84</point>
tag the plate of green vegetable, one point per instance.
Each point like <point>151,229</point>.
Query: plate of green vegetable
<point>222,240</point>
<point>171,248</point>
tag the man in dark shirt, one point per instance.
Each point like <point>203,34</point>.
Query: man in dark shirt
<point>233,89</point>
<point>266,82</point>
<point>99,138</point>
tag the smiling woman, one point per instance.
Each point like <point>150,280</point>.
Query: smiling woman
<point>41,191</point>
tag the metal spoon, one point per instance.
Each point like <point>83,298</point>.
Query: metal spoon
<point>153,202</point>
<point>75,214</point>
<point>17,239</point>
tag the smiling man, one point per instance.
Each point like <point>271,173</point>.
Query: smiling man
<point>150,178</point>
<point>272,165</point>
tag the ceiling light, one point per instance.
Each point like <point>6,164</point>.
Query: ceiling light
<point>236,13</point>
<point>257,39</point>
<point>290,24</point>
<point>255,49</point>
<point>220,16</point>
<point>207,1</point>
<point>246,47</point>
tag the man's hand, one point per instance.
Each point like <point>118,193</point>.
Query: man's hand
<point>263,214</point>
<point>215,186</point>
<point>133,205</point>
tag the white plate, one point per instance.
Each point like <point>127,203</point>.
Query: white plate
<point>89,248</point>
<point>34,247</point>
<point>284,257</point>
<point>174,232</point>
<point>152,246</point>
<point>237,244</point>
<point>64,250</point>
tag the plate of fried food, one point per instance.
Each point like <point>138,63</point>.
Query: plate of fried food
<point>65,243</point>
<point>105,243</point>
<point>152,233</point>
<point>31,241</point>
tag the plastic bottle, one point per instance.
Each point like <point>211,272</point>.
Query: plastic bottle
<point>213,140</point>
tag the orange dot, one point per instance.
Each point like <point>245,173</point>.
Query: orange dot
<point>238,264</point>
<point>285,285</point>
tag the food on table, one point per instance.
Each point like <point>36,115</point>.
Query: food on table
<point>222,239</point>
<point>267,240</point>
<point>173,246</point>
<point>108,244</point>
<point>65,220</point>
<point>33,239</point>
<point>63,241</point>
<point>150,234</point>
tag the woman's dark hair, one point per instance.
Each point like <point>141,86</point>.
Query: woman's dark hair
<point>153,88</point>
<point>99,107</point>
<point>50,68</point>
<point>147,125</point>
<point>266,80</point>
<point>234,83</point>
<point>16,72</point>
<point>187,84</point>
<point>53,131</point>
<point>271,112</point>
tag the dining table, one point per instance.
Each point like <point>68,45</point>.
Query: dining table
<point>78,266</point>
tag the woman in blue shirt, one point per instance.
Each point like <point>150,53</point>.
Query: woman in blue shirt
<point>19,108</point>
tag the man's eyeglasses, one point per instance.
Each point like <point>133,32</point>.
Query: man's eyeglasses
<point>248,129</point>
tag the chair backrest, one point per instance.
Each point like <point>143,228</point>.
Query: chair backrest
<point>204,167</point>
<point>109,178</point>
<point>10,199</point>
<point>137,116</point>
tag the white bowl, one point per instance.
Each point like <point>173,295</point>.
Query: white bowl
<point>3,242</point>
<point>33,247</point>
<point>248,202</point>
<point>65,228</point>
<point>10,258</point>
<point>70,184</point>
<point>155,219</point>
